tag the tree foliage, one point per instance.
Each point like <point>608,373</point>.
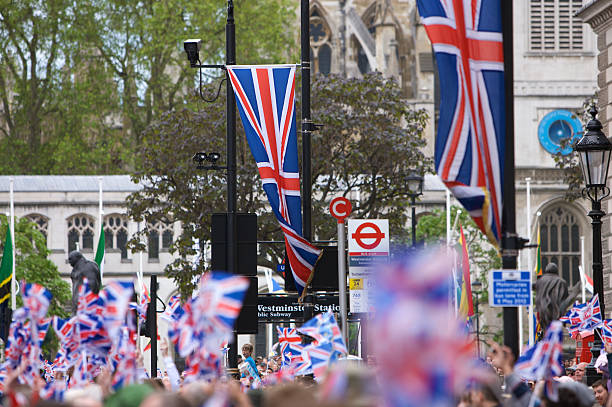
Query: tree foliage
<point>483,257</point>
<point>80,81</point>
<point>570,163</point>
<point>370,142</point>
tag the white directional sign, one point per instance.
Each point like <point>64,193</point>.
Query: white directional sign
<point>509,288</point>
<point>368,247</point>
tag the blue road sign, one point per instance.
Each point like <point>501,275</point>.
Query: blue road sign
<point>509,288</point>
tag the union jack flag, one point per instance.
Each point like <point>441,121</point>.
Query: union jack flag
<point>287,337</point>
<point>36,300</point>
<point>324,328</point>
<point>606,331</point>
<point>265,97</point>
<point>590,316</point>
<point>543,361</point>
<point>469,152</point>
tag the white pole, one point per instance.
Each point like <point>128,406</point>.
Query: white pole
<point>12,226</point>
<point>269,338</point>
<point>452,294</point>
<point>342,279</point>
<point>583,270</point>
<point>529,265</point>
<point>520,316</point>
<point>448,218</point>
<point>100,215</point>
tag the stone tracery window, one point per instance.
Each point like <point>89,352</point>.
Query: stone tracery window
<point>116,233</point>
<point>560,242</point>
<point>161,235</point>
<point>320,44</point>
<point>41,222</point>
<point>81,232</point>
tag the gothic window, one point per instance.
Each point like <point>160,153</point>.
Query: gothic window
<point>160,237</point>
<point>80,232</point>
<point>560,242</point>
<point>41,222</point>
<point>553,26</point>
<point>115,233</point>
<point>320,44</point>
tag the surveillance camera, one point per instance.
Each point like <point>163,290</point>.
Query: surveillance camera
<point>192,48</point>
<point>213,157</point>
<point>200,157</point>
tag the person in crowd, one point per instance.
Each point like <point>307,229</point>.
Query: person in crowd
<point>487,394</point>
<point>247,352</point>
<point>601,392</point>
<point>571,393</point>
<point>579,372</point>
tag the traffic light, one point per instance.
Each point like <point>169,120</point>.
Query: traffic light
<point>148,329</point>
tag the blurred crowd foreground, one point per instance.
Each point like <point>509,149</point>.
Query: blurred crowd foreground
<point>423,355</point>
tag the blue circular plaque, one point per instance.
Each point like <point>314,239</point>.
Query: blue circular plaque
<point>557,126</point>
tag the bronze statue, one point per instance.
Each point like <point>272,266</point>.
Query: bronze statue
<point>552,298</point>
<point>83,268</point>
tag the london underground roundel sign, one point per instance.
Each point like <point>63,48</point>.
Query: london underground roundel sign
<point>340,208</point>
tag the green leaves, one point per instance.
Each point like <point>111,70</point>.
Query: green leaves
<point>483,257</point>
<point>81,81</point>
<point>371,140</point>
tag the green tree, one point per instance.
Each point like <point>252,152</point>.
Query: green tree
<point>570,163</point>
<point>483,257</point>
<point>33,266</point>
<point>142,43</point>
<point>370,141</point>
<point>80,81</point>
<point>54,96</point>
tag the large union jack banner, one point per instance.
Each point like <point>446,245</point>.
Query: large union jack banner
<point>266,100</point>
<point>467,41</point>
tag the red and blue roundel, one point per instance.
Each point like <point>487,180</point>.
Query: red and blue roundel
<point>557,126</point>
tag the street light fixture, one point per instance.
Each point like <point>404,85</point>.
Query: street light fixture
<point>594,150</point>
<point>414,182</point>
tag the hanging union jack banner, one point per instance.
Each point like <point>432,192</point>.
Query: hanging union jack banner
<point>265,96</point>
<point>469,151</point>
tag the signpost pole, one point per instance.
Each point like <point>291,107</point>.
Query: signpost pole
<point>342,279</point>
<point>340,208</point>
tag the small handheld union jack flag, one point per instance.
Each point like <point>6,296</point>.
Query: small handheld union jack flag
<point>265,96</point>
<point>543,361</point>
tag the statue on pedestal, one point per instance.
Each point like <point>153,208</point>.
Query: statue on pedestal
<point>82,268</point>
<point>552,298</point>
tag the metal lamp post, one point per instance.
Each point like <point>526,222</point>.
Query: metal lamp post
<point>594,150</point>
<point>415,189</point>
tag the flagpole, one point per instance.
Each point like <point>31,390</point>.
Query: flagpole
<point>100,214</point>
<point>12,226</point>
<point>448,218</point>
<point>452,289</point>
<point>583,273</point>
<point>520,316</point>
<point>529,261</point>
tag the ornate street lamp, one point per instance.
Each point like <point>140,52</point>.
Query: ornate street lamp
<point>594,150</point>
<point>414,182</point>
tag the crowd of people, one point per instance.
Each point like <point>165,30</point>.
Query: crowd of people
<point>419,353</point>
<point>347,383</point>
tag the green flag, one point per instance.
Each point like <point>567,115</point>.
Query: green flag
<point>6,268</point>
<point>100,251</point>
